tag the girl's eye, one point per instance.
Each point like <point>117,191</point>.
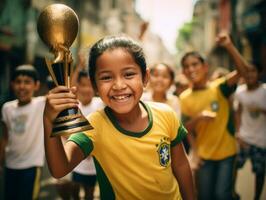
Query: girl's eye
<point>129,74</point>
<point>105,78</point>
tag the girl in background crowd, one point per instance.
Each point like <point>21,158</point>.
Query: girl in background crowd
<point>161,79</point>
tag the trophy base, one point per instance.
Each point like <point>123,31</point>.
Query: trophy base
<point>70,121</point>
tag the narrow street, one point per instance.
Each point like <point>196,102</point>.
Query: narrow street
<point>244,185</point>
<point>48,187</point>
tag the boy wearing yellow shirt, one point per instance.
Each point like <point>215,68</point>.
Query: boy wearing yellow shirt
<point>206,112</point>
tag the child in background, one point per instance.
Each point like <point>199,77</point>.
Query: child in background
<point>251,126</point>
<point>84,175</point>
<point>24,150</point>
<point>181,84</point>
<point>161,78</point>
<point>206,113</point>
<point>136,146</point>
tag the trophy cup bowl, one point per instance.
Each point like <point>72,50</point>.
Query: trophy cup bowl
<point>57,27</point>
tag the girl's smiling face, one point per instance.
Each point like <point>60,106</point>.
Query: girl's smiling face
<point>119,80</point>
<point>160,79</point>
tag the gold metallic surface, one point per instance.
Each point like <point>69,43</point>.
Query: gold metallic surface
<point>58,25</point>
<point>67,132</point>
<point>81,119</point>
<point>66,118</point>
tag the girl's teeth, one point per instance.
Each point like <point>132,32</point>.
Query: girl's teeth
<point>120,97</point>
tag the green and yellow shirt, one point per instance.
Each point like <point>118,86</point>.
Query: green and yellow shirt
<point>214,139</point>
<point>134,165</point>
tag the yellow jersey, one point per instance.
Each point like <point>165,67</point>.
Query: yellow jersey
<point>134,165</point>
<point>214,139</point>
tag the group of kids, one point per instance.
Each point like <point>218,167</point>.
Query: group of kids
<point>136,142</point>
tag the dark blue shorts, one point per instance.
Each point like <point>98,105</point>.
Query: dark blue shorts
<point>22,184</point>
<point>257,156</point>
<point>88,180</point>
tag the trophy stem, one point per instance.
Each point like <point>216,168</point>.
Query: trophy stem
<point>66,68</point>
<point>67,72</point>
<point>59,72</point>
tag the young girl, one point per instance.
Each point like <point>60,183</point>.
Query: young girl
<point>161,78</point>
<point>136,146</point>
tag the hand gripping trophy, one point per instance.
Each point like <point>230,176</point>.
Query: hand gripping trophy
<point>58,27</point>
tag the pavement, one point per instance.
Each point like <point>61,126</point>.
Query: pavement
<point>244,185</point>
<point>48,190</point>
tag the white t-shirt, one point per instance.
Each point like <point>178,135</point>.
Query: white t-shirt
<point>253,123</point>
<point>86,167</point>
<point>25,147</point>
<point>172,101</point>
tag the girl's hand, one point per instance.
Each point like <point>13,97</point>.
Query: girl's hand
<point>59,99</point>
<point>223,39</point>
<point>207,115</point>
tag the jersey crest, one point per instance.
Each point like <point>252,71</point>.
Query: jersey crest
<point>164,153</point>
<point>214,106</point>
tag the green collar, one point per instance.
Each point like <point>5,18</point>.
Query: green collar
<point>112,118</point>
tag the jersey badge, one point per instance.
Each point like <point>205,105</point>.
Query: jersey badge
<point>164,153</point>
<point>214,106</point>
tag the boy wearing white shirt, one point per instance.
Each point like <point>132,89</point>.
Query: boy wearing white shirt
<point>251,126</point>
<point>23,136</point>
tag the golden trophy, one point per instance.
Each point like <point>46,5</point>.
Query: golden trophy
<point>58,27</point>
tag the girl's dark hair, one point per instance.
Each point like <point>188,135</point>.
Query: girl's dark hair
<point>26,70</point>
<point>111,43</point>
<point>170,70</point>
<point>194,54</point>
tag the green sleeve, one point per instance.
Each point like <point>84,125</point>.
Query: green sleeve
<point>83,141</point>
<point>182,133</point>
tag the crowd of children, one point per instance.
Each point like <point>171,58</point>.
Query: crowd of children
<point>136,143</point>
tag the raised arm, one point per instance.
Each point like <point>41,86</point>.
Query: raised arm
<point>81,65</point>
<point>223,39</point>
<point>61,158</point>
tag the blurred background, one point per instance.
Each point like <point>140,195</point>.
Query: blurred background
<point>167,29</point>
